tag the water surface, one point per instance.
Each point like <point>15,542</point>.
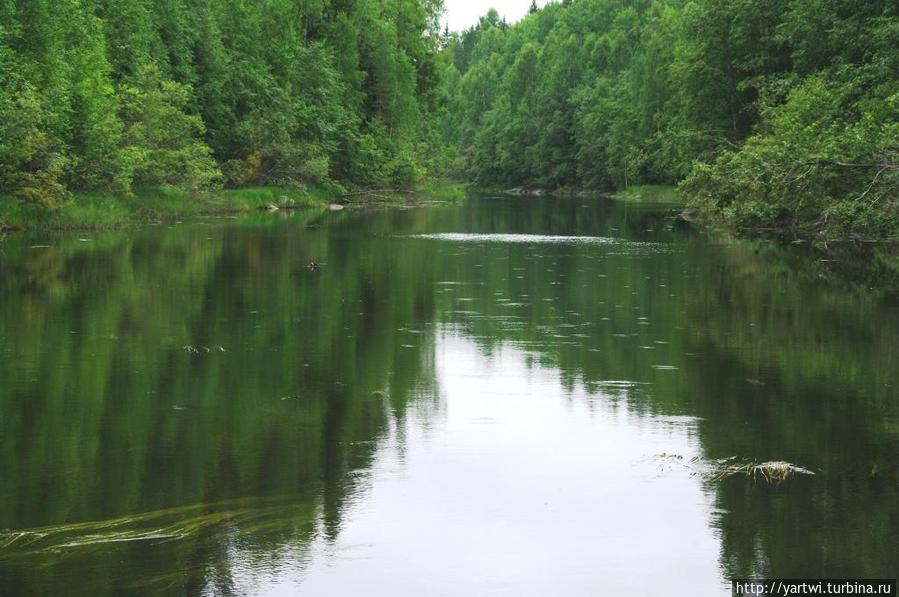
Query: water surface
<point>509,396</point>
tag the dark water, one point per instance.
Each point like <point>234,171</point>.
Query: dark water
<point>504,397</point>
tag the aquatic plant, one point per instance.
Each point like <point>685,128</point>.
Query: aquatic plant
<point>169,524</point>
<point>773,473</point>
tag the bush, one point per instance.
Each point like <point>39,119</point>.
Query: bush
<point>823,161</point>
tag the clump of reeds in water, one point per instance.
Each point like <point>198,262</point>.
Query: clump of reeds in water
<point>774,473</point>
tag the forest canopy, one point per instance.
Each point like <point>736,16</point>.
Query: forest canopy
<point>769,112</point>
<point>774,112</point>
<point>111,95</point>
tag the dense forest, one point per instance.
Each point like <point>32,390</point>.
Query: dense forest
<point>112,95</point>
<point>772,113</point>
<point>780,113</point>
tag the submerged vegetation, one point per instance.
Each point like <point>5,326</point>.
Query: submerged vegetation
<point>772,114</point>
<point>169,524</point>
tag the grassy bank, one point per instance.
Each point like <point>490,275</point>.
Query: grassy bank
<point>97,211</point>
<point>441,190</point>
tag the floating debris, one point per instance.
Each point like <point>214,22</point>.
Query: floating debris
<point>206,349</point>
<point>773,473</point>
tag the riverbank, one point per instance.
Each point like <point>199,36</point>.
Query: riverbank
<point>636,193</point>
<point>877,226</point>
<point>99,211</point>
<point>882,227</point>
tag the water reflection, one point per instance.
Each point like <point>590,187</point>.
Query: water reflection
<point>530,488</point>
<point>452,404</point>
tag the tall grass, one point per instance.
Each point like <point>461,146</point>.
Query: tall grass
<point>97,211</point>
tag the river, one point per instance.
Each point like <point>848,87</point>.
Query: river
<point>505,396</point>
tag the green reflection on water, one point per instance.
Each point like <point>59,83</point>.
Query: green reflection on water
<point>168,393</point>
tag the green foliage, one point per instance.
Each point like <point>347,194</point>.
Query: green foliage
<point>104,211</point>
<point>94,132</point>
<point>162,144</point>
<point>31,165</point>
<point>651,194</point>
<point>827,158</point>
<point>106,95</point>
<point>442,190</point>
<point>778,114</point>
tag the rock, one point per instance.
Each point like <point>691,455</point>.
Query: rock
<point>336,207</point>
<point>272,208</point>
<point>287,202</point>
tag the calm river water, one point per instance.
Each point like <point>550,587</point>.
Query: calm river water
<point>507,396</point>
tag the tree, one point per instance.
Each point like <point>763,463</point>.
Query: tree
<point>280,91</point>
<point>163,145</point>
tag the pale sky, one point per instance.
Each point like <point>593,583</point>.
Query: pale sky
<point>462,14</point>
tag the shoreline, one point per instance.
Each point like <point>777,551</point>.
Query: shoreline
<point>108,211</point>
<point>797,234</point>
<point>696,212</point>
